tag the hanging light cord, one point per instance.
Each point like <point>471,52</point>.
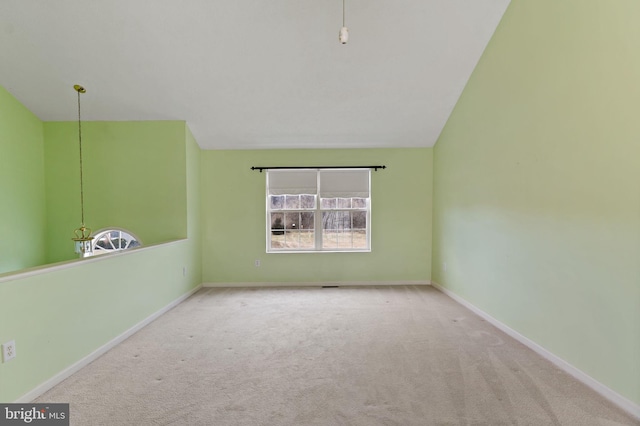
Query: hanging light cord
<point>80,143</point>
<point>343,9</point>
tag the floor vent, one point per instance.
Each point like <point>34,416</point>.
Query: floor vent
<point>330,286</point>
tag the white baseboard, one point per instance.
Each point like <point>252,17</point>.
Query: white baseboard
<point>315,284</point>
<point>622,402</point>
<point>64,374</point>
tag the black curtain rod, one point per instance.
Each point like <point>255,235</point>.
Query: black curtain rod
<point>375,168</point>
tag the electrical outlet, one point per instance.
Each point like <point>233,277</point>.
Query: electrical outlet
<point>184,271</point>
<point>444,266</point>
<point>8,351</point>
<point>257,263</point>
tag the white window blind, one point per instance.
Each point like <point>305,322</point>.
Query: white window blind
<point>344,183</point>
<point>282,182</point>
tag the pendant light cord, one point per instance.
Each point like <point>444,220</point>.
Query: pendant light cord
<point>80,143</point>
<point>343,12</point>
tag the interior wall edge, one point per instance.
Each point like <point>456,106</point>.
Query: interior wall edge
<point>608,393</point>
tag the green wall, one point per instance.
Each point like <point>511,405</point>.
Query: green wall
<point>60,316</point>
<point>134,178</point>
<point>536,184</point>
<point>233,215</point>
<point>22,206</point>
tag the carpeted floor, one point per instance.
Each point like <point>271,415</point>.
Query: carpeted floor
<point>339,356</point>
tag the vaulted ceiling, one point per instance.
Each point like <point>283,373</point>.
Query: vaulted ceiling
<point>249,74</point>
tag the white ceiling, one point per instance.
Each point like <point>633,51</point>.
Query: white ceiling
<point>249,74</point>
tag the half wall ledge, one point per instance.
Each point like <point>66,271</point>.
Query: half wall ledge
<point>51,267</point>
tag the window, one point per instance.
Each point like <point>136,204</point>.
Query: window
<point>318,210</point>
<point>112,240</point>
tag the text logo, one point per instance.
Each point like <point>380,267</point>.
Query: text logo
<point>34,414</point>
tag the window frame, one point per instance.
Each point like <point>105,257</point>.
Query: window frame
<point>102,251</point>
<point>318,222</point>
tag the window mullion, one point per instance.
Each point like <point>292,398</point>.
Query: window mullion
<point>318,215</point>
<point>269,230</point>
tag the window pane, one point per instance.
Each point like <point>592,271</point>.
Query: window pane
<point>344,230</point>
<point>359,220</point>
<point>307,220</point>
<point>307,239</point>
<point>328,203</point>
<point>291,239</point>
<point>308,201</point>
<point>277,202</point>
<point>292,220</point>
<point>329,220</point>
<point>344,219</point>
<point>277,224</point>
<point>329,239</point>
<point>336,220</point>
<point>345,239</point>
<point>344,203</point>
<point>360,239</point>
<point>292,201</point>
<point>359,203</point>
<point>277,240</point>
<point>105,243</point>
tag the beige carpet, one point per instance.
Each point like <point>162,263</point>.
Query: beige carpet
<point>339,356</point>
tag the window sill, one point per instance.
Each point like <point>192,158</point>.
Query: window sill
<point>317,251</point>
